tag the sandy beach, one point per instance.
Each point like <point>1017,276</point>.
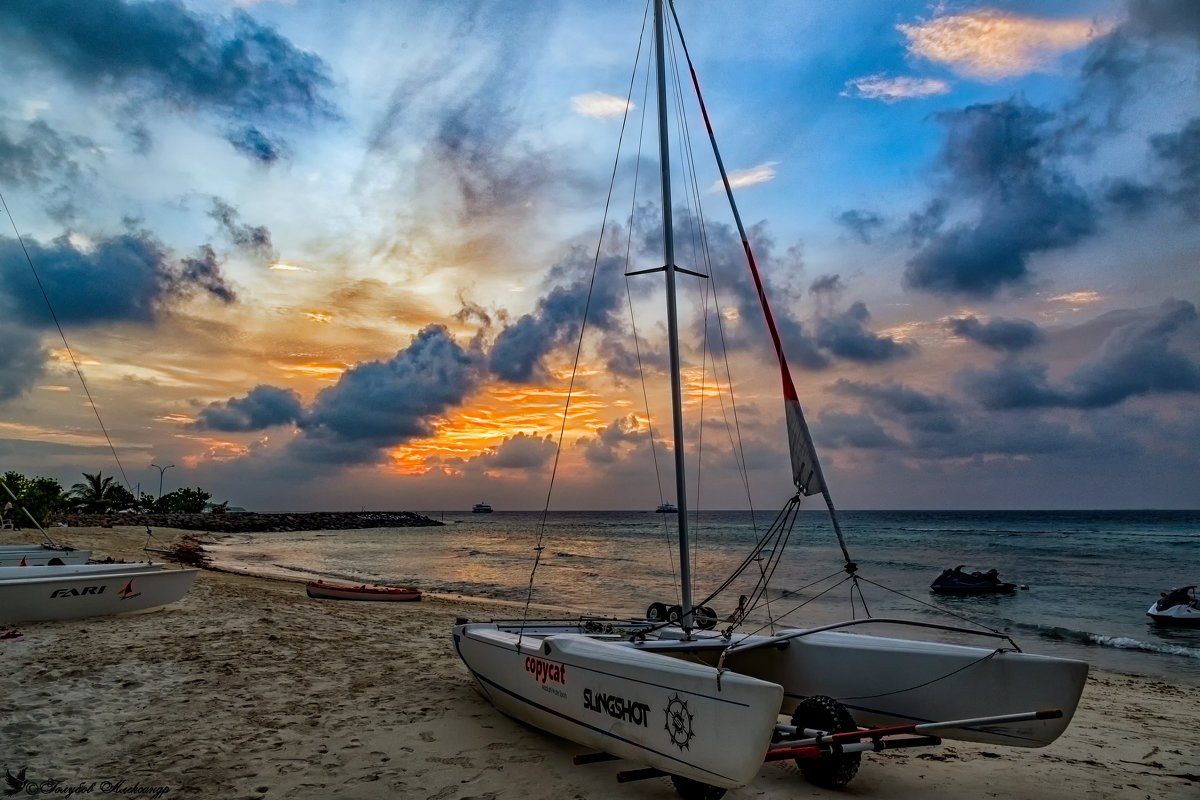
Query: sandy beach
<point>248,689</point>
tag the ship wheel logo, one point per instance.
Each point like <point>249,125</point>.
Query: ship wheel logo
<point>679,722</point>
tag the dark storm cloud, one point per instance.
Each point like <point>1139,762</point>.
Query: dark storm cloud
<point>914,409</point>
<point>827,285</point>
<point>22,360</point>
<point>473,148</point>
<point>122,278</point>
<point>255,239</point>
<point>263,407</point>
<point>251,141</point>
<point>518,350</point>
<point>1008,335</point>
<point>863,224</point>
<point>607,445</point>
<point>1175,181</point>
<point>1165,19</point>
<point>1132,197</point>
<point>204,272</point>
<point>233,66</point>
<point>379,404</point>
<point>1136,359</point>
<point>853,430</point>
<point>1180,154</point>
<point>729,263</point>
<point>846,336</point>
<point>902,420</point>
<point>35,155</point>
<point>522,451</point>
<point>1011,385</point>
<point>1004,157</point>
<point>30,153</point>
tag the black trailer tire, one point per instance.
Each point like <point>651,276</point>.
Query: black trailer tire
<point>674,613</point>
<point>826,714</point>
<point>656,612</point>
<point>706,618</point>
<point>690,789</point>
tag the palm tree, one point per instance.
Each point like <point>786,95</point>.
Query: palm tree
<point>96,494</point>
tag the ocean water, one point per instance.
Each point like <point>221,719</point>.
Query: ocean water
<point>1090,575</point>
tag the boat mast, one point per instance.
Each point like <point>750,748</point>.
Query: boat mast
<point>685,571</point>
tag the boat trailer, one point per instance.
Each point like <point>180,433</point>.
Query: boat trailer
<point>810,745</point>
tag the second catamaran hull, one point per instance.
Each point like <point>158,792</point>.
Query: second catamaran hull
<point>887,681</point>
<point>683,718</point>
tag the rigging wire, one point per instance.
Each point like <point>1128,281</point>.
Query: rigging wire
<point>539,546</point>
<point>702,251</point>
<point>70,353</point>
<point>666,531</point>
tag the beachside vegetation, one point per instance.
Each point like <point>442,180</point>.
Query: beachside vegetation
<point>95,494</point>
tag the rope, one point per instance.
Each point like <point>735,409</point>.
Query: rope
<point>78,370</point>
<point>929,682</point>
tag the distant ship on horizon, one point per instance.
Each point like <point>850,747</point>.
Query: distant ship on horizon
<point>481,508</point>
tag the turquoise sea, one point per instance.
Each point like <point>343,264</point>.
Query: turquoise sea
<point>1091,575</point>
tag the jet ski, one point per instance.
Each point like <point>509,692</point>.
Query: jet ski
<point>955,581</point>
<point>1177,607</point>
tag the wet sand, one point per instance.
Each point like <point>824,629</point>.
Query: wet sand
<point>247,688</point>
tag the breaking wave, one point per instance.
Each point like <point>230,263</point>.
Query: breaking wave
<point>1117,642</point>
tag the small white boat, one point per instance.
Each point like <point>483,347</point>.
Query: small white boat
<point>481,508</point>
<point>91,594</point>
<point>37,555</point>
<point>666,508</point>
<point>1176,607</point>
<point>23,573</point>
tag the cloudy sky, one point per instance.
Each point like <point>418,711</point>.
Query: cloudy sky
<point>320,255</point>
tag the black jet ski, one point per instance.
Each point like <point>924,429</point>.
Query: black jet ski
<point>955,581</point>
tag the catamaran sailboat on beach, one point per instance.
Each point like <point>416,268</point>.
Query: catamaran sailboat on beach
<point>703,706</point>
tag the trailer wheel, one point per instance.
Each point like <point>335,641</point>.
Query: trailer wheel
<point>706,618</point>
<point>674,613</point>
<point>690,789</point>
<point>826,714</point>
<point>656,611</point>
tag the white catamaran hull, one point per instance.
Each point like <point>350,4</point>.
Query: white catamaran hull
<point>680,717</point>
<point>886,681</point>
<point>36,555</point>
<point>91,595</point>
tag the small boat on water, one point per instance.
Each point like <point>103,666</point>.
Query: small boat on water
<point>1177,607</point>
<point>481,508</point>
<point>955,581</point>
<point>666,508</point>
<point>333,591</point>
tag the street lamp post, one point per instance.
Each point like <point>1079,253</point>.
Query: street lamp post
<point>161,470</point>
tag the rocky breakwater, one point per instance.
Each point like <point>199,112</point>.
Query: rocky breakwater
<point>249,522</point>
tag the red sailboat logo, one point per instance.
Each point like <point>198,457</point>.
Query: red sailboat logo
<point>128,591</point>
